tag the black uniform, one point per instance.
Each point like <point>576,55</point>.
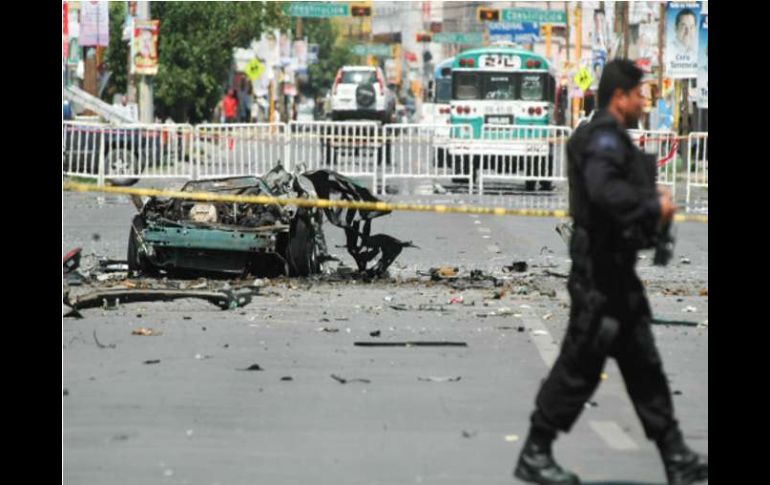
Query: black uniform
<point>615,209</point>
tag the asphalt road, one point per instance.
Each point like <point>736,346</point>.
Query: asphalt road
<point>196,418</point>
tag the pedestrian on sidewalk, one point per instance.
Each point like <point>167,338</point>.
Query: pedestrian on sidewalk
<point>230,106</point>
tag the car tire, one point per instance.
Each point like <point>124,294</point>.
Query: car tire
<point>118,161</point>
<point>365,95</point>
<point>301,250</point>
<point>530,185</point>
<point>137,262</point>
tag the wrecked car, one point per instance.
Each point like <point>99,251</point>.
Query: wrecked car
<point>192,237</point>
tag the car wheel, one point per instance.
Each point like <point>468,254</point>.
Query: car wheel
<point>365,95</point>
<point>530,185</point>
<point>137,262</point>
<point>302,252</point>
<point>120,162</point>
<point>546,185</point>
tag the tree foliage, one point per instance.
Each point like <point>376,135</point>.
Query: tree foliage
<point>196,43</point>
<point>332,54</point>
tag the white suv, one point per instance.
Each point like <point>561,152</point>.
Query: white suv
<point>360,92</point>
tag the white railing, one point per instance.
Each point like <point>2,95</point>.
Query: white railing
<point>126,152</point>
<point>416,151</point>
<point>225,150</point>
<point>521,153</point>
<point>354,149</point>
<point>697,171</point>
<point>663,145</point>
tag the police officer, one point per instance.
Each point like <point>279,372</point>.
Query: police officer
<point>617,211</point>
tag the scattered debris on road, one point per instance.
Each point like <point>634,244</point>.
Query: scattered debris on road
<point>411,344</point>
<point>342,380</point>
<point>516,267</point>
<point>100,345</point>
<point>439,379</point>
<point>225,299</point>
<point>147,332</point>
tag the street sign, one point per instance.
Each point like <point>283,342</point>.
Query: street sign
<point>254,69</point>
<point>472,38</point>
<point>558,17</point>
<point>519,32</point>
<point>378,50</point>
<point>316,9</point>
<point>583,79</point>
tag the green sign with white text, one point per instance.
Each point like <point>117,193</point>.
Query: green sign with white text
<point>316,9</point>
<point>378,50</point>
<point>534,15</point>
<point>473,38</point>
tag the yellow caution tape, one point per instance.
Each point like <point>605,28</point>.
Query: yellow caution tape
<point>337,204</point>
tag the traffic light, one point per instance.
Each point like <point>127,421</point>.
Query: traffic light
<point>424,37</point>
<point>488,14</point>
<point>360,11</point>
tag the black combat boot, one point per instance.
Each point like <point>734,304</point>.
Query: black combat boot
<point>536,463</point>
<point>683,466</point>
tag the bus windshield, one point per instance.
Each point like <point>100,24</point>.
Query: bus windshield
<point>499,86</point>
<point>531,87</point>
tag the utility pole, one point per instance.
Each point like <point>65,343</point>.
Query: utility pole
<point>131,87</point>
<point>146,108</point>
<point>578,33</point>
<point>685,106</point>
<point>89,74</point>
<point>661,38</point>
<point>626,32</point>
<point>566,14</point>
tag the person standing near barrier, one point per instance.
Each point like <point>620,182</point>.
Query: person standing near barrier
<point>616,211</point>
<point>230,106</point>
<point>244,101</point>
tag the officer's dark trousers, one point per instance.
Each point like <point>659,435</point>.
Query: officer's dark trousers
<point>577,371</point>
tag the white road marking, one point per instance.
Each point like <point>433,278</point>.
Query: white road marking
<point>612,434</point>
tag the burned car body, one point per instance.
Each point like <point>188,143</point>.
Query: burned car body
<point>186,236</point>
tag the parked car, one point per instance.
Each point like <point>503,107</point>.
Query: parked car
<point>360,92</point>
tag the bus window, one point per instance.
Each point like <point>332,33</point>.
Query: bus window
<point>532,87</point>
<point>499,86</point>
<point>466,85</point>
<point>443,90</point>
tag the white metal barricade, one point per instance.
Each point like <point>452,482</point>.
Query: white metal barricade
<point>148,151</point>
<point>226,150</point>
<point>416,151</point>
<point>82,153</point>
<point>126,152</point>
<point>664,146</point>
<point>353,149</point>
<point>697,171</point>
<point>521,153</point>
